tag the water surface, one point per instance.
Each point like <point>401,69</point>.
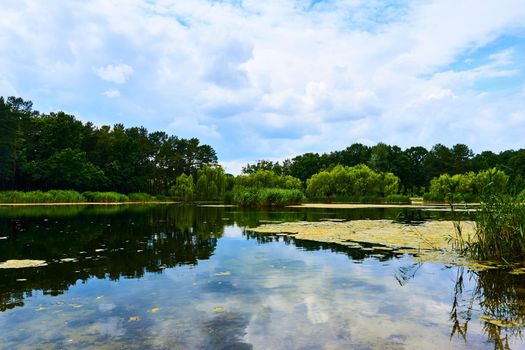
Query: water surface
<point>176,277</point>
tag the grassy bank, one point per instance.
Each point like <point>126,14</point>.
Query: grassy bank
<point>67,196</point>
<point>370,199</point>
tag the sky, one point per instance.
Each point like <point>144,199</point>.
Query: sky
<point>277,78</point>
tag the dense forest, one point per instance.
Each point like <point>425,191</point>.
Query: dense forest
<point>57,151</point>
<point>415,166</point>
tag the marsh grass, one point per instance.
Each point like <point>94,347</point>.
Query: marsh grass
<point>500,230</point>
<point>53,196</point>
<point>105,197</point>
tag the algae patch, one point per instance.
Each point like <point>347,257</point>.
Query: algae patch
<point>430,241</point>
<point>19,264</point>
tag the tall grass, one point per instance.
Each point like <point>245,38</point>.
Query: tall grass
<point>67,196</point>
<point>54,196</point>
<point>105,197</point>
<point>266,197</point>
<point>140,197</point>
<point>500,230</point>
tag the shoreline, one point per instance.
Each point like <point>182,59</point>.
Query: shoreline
<point>82,203</point>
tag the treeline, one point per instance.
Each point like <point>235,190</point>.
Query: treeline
<point>415,166</point>
<point>57,151</point>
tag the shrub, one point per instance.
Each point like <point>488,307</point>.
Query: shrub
<point>266,197</point>
<point>105,197</point>
<point>53,196</point>
<point>140,197</point>
<point>162,198</point>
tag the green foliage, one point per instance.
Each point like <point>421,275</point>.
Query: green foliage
<point>358,180</point>
<point>491,181</point>
<point>140,197</point>
<point>105,197</point>
<point>397,199</point>
<point>8,138</point>
<point>263,165</point>
<point>162,198</point>
<point>210,184</point>
<point>183,189</point>
<point>268,179</point>
<point>55,150</point>
<point>67,168</point>
<point>54,196</point>
<point>500,229</point>
<point>468,186</point>
<point>266,197</point>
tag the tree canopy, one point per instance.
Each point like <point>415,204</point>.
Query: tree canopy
<point>58,151</point>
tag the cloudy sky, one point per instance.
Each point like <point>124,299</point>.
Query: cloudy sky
<point>273,79</point>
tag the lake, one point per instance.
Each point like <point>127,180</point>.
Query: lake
<point>182,277</point>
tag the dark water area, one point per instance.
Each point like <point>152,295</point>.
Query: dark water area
<point>182,277</point>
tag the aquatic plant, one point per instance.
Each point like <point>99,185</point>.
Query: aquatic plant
<point>500,230</point>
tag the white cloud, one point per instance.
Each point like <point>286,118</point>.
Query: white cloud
<point>113,93</point>
<point>118,74</point>
<point>271,79</point>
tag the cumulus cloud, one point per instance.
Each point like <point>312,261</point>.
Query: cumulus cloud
<point>276,78</point>
<point>118,73</point>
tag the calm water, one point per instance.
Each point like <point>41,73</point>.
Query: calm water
<point>172,277</point>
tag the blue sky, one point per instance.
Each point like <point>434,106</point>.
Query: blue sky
<point>273,79</point>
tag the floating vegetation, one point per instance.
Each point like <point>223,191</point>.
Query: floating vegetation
<point>224,273</point>
<point>431,207</point>
<point>19,264</point>
<point>428,241</point>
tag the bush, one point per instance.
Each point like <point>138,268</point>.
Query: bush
<point>140,197</point>
<point>105,197</point>
<point>162,198</point>
<point>266,197</point>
